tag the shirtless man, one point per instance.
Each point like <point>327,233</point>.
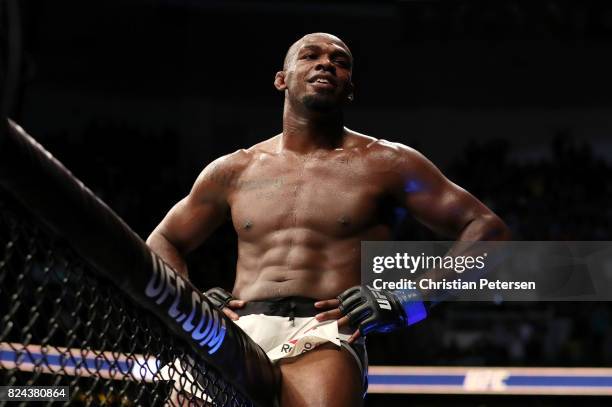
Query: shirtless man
<point>301,203</point>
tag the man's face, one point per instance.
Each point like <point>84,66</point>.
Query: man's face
<point>318,74</point>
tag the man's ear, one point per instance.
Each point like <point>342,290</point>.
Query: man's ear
<point>279,81</point>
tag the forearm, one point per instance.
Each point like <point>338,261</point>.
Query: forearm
<point>488,227</point>
<point>168,252</point>
<point>373,310</point>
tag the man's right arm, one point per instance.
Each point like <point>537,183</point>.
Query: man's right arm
<point>196,216</point>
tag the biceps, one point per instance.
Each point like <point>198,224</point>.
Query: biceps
<point>189,223</point>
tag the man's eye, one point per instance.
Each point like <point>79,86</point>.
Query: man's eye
<point>310,56</point>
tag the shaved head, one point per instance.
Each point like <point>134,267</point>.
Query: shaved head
<point>296,46</point>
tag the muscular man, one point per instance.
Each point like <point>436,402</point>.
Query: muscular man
<point>301,202</point>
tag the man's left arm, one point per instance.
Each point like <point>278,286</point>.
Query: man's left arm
<point>443,207</point>
<point>440,204</point>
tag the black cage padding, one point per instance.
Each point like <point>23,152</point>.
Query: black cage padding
<point>102,240</point>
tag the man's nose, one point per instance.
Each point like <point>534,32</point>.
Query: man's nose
<point>326,64</point>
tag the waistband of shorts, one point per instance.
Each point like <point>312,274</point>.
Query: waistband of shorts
<point>293,307</point>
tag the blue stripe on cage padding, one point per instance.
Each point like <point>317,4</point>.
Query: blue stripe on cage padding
<point>93,363</point>
<point>511,380</point>
<point>99,363</point>
<point>581,381</point>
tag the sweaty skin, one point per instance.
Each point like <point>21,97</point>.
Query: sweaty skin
<point>301,203</point>
<point>300,218</point>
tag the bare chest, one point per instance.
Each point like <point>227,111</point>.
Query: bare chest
<point>336,196</point>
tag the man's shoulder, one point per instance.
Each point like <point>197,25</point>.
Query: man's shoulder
<point>380,148</point>
<point>242,157</point>
<point>393,157</point>
<point>234,163</point>
<point>268,146</point>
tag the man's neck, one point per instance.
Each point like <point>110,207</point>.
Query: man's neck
<point>306,131</point>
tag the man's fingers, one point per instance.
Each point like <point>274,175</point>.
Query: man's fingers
<point>356,335</point>
<point>327,304</point>
<point>236,304</point>
<point>327,315</point>
<point>230,314</point>
<point>343,321</point>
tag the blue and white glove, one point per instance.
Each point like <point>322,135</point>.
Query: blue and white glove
<point>382,311</point>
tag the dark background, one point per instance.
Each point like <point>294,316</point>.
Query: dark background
<point>511,99</point>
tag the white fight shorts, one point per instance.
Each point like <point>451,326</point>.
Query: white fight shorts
<point>283,327</point>
<point>286,327</point>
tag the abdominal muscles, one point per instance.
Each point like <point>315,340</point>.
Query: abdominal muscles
<point>299,262</point>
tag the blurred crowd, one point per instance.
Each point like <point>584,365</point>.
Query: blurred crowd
<point>562,196</point>
<point>133,171</point>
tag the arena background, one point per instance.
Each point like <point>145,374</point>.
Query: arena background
<point>512,99</point>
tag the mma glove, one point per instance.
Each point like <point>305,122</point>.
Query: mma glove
<point>219,297</point>
<point>381,311</point>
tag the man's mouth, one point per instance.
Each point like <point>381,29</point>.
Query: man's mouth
<point>322,82</point>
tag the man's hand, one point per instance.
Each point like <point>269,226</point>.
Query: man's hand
<point>332,313</point>
<point>372,310</point>
<point>224,301</point>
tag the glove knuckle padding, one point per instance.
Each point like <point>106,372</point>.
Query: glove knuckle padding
<point>348,293</point>
<point>219,297</point>
<point>351,302</point>
<point>359,314</point>
<point>364,310</point>
<point>380,310</point>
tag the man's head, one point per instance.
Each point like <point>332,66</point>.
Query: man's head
<point>317,72</point>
